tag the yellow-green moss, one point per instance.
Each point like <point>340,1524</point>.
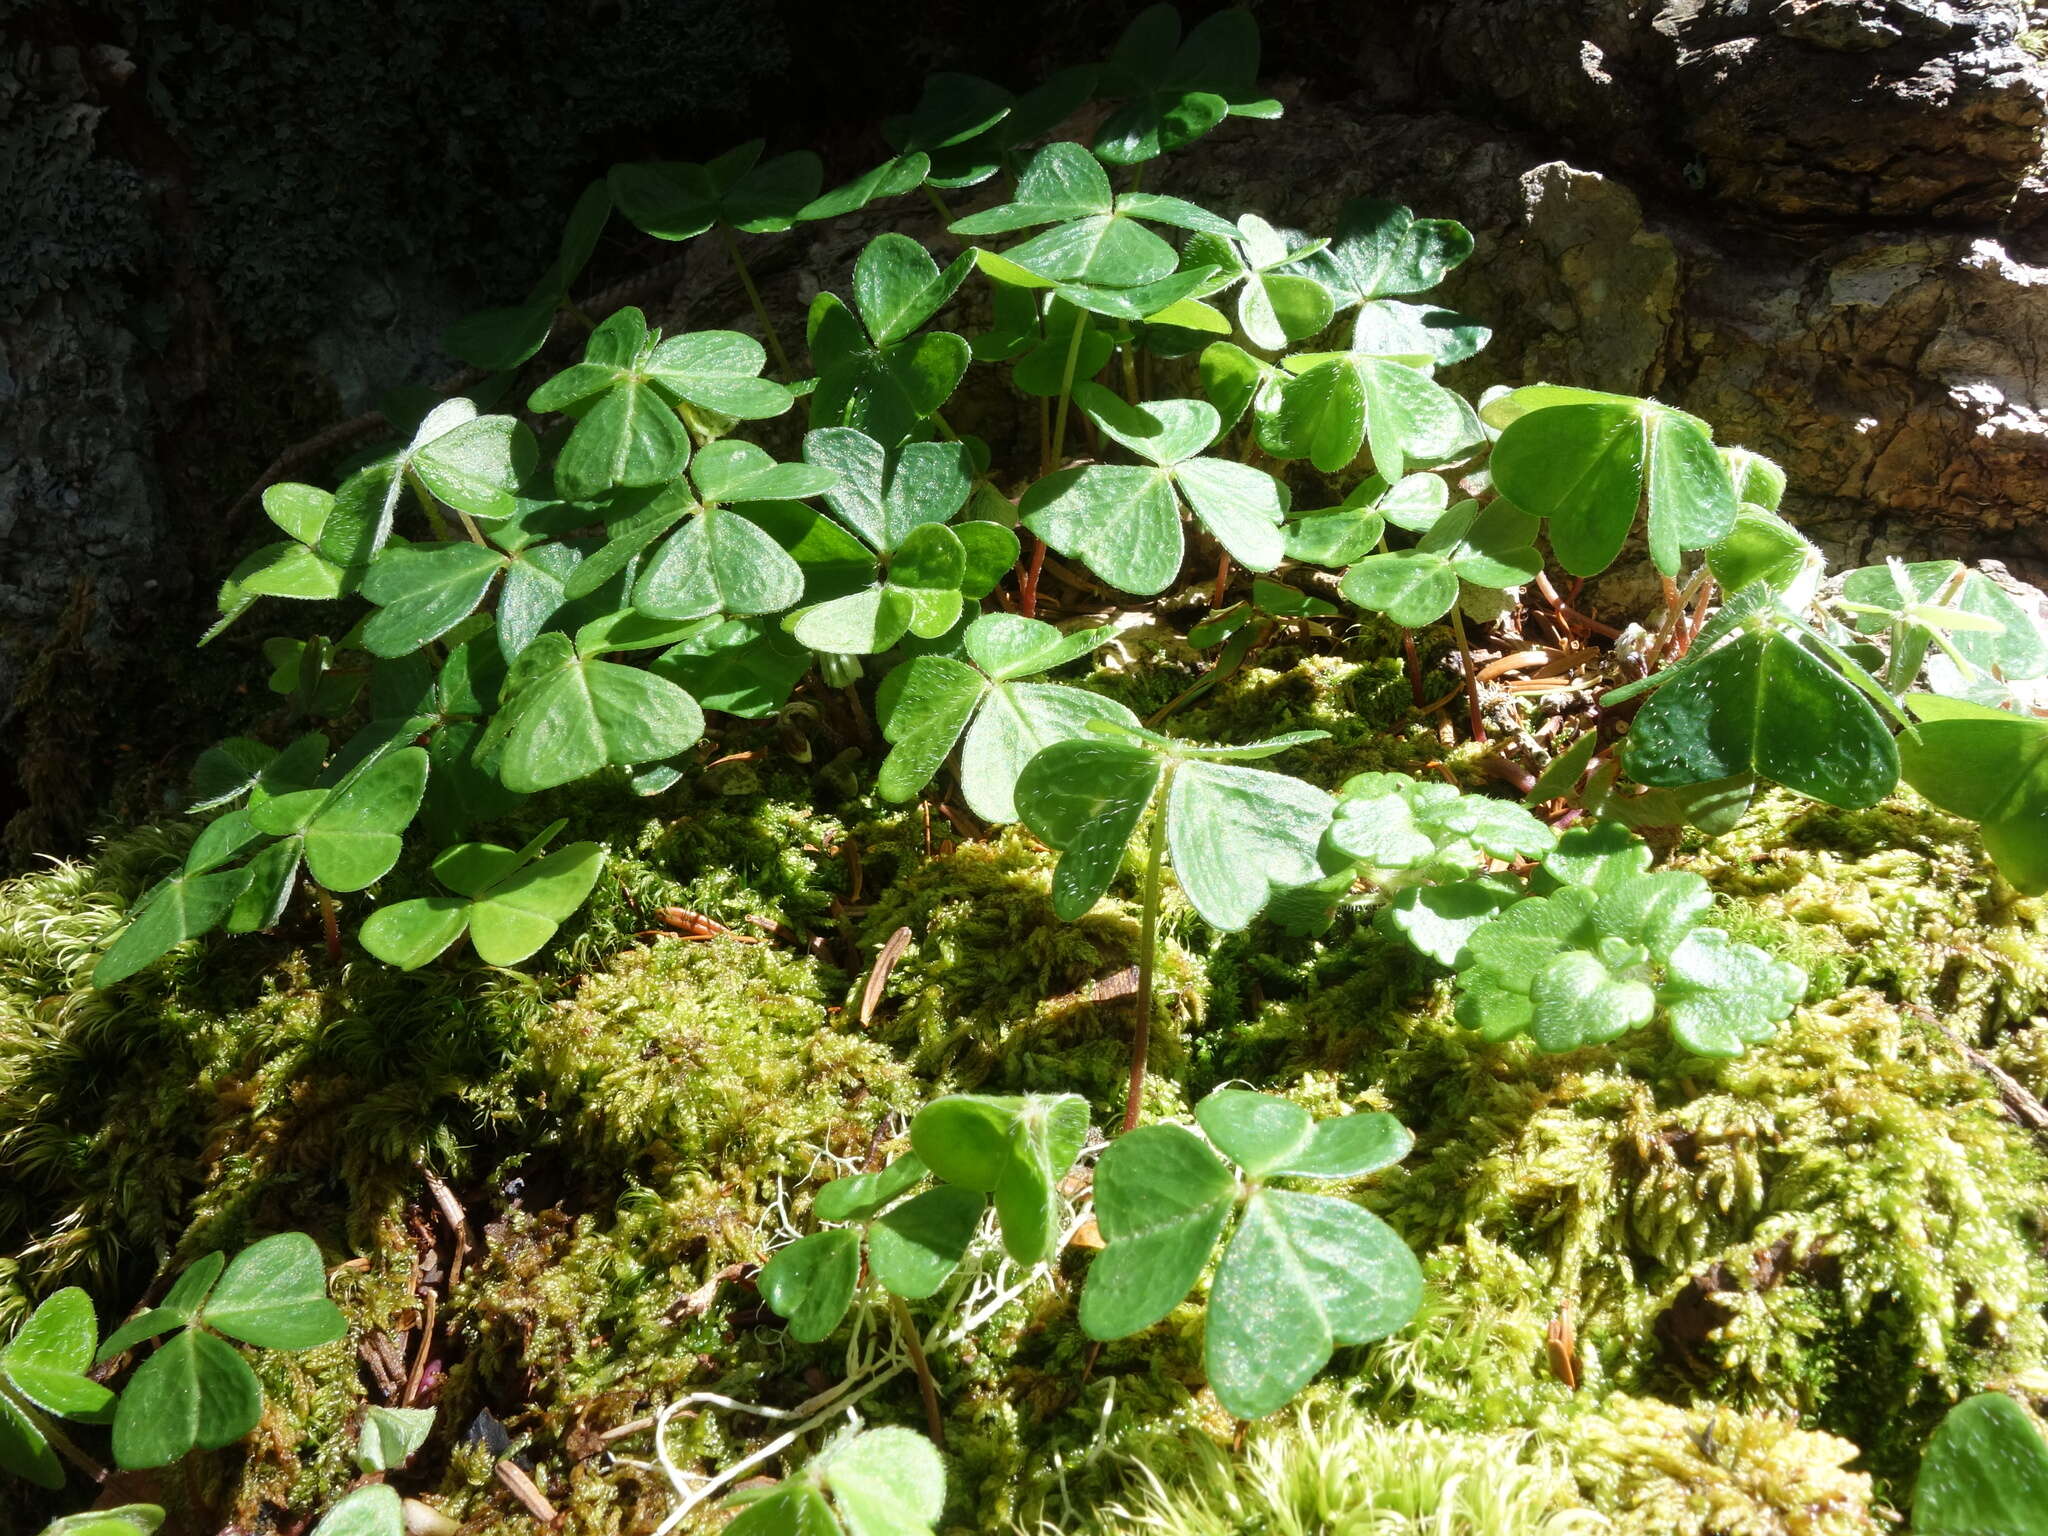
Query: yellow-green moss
<point>1328,1469</point>
<point>1841,1226</point>
<point>1661,1470</point>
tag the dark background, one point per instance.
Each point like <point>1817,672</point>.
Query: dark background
<point>229,226</point>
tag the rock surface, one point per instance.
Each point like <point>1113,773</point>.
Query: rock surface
<point>1816,223</point>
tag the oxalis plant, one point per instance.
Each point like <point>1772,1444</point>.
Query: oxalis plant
<point>1235,833</point>
<point>1013,1151</point>
<point>193,1390</point>
<point>625,545</point>
<point>1300,1274</point>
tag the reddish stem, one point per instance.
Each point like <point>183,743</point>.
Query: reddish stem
<point>1027,586</point>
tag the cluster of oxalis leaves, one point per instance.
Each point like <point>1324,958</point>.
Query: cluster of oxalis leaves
<point>1301,1273</point>
<point>193,1390</point>
<point>533,597</point>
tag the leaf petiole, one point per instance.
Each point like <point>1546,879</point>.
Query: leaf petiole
<point>739,266</point>
<point>1059,429</point>
<point>428,505</point>
<point>913,1345</point>
<point>1471,676</point>
<point>1148,945</point>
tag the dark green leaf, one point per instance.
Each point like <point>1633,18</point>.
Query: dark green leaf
<point>1161,1199</point>
<point>578,715</point>
<point>744,667</point>
<point>182,908</point>
<point>1084,798</point>
<point>861,1195</point>
<point>423,591</point>
<point>811,1282</point>
<point>1763,705</point>
<point>915,1246</point>
<point>1121,521</point>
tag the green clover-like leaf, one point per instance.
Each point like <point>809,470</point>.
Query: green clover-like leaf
<point>1014,1149</point>
<point>1991,766</point>
<point>1585,461</point>
<point>1300,1274</point>
<point>1162,1199</point>
<point>811,1282</point>
<point>183,907</point>
<point>571,715</point>
<point>874,373</point>
<point>1337,403</point>
<point>679,200</point>
<point>915,1246</point>
<point>927,706</point>
<point>1764,705</point>
<point>390,1436</point>
<point>424,590</point>
<point>2006,640</point>
<point>1124,522</point>
<point>1985,1472</point>
<point>1175,89</point>
<point>1381,249</point>
<point>510,902</point>
<point>194,1391</point>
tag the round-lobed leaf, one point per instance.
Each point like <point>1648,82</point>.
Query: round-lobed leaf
<point>390,1436</point>
<point>1985,1473</point>
<point>182,908</point>
<point>1238,834</point>
<point>858,1196</point>
<point>25,1450</point>
<point>194,1391</point>
<point>1302,1274</point>
<point>1084,798</point>
<point>1991,766</point>
<point>48,1356</point>
<point>811,1282</point>
<point>273,1294</point>
<point>914,1246</point>
<point>1764,705</point>
<point>1161,1200</point>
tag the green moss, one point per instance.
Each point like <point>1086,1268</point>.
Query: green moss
<point>1840,1224</point>
<point>1661,1470</point>
<point>1899,897</point>
<point>995,991</point>
<point>1830,1236</point>
<point>1328,1469</point>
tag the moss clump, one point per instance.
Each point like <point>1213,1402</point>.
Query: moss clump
<point>1331,1470</point>
<point>1840,1224</point>
<point>995,991</point>
<point>619,1136</point>
<point>1661,1470</point>
<point>1899,897</point>
<point>1829,1237</point>
<point>733,1085</point>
